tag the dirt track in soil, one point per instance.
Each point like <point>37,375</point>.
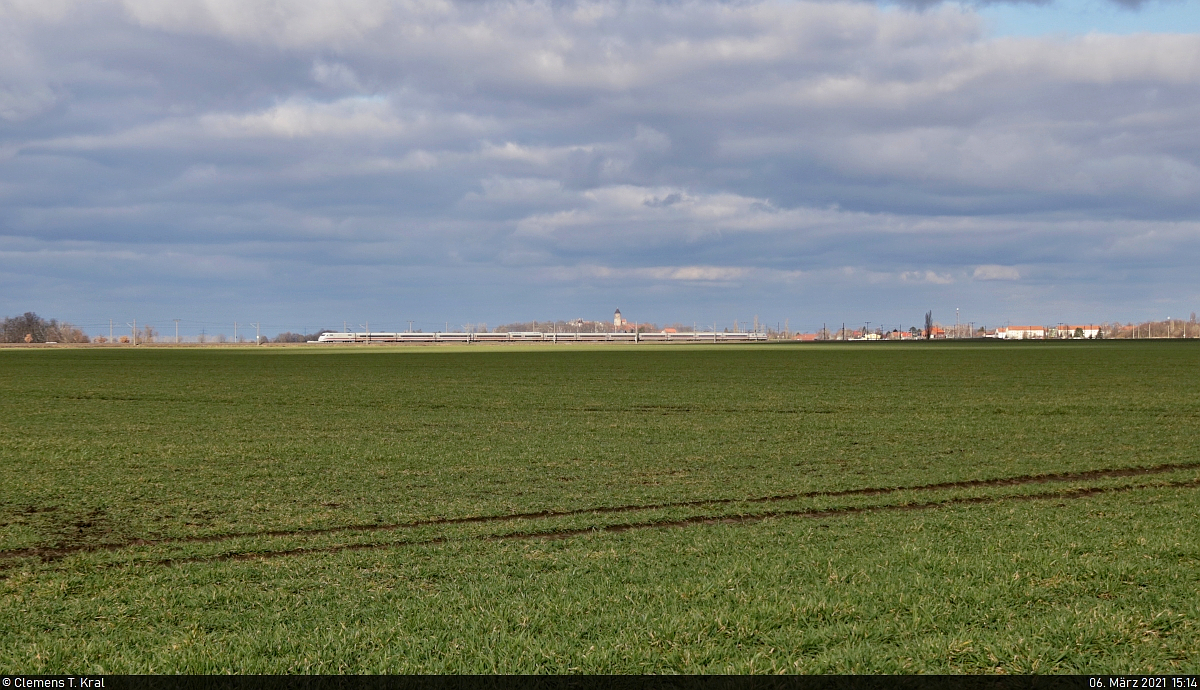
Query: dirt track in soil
<point>47,554</point>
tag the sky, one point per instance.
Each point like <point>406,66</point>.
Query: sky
<point>449,162</point>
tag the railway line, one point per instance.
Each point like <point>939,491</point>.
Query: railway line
<point>534,336</point>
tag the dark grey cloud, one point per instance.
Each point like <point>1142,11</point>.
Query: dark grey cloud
<point>471,159</point>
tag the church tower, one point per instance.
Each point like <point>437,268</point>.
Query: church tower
<point>618,320</point>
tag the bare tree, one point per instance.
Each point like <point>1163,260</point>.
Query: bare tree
<point>577,326</point>
<point>928,324</point>
<point>31,328</point>
<point>28,324</point>
<point>289,337</point>
<point>67,333</point>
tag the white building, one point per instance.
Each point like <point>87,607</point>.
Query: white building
<point>1021,332</point>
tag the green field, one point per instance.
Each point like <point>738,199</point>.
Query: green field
<point>948,508</point>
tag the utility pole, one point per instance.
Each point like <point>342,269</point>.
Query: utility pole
<point>957,324</point>
<point>110,335</point>
<point>134,327</point>
<point>257,340</point>
<point>176,330</point>
<point>410,325</point>
<point>235,331</point>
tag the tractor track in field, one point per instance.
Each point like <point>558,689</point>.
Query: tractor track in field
<point>679,523</point>
<point>56,553</point>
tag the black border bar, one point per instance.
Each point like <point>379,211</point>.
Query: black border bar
<point>125,682</point>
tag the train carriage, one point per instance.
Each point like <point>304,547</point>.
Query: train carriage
<point>534,336</point>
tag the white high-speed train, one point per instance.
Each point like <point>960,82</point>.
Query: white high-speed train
<point>539,337</point>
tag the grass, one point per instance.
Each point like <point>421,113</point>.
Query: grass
<point>511,509</point>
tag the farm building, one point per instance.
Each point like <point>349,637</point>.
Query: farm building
<point>1021,332</point>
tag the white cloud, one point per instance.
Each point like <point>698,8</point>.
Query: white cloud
<point>992,272</point>
<point>705,273</point>
<point>18,104</point>
<point>926,277</point>
<point>38,10</point>
<point>726,276</point>
<point>356,116</point>
<point>336,75</point>
<point>309,23</point>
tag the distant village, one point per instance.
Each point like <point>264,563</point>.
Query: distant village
<point>938,332</point>
<point>1169,328</point>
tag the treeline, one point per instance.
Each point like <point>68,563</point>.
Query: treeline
<point>555,327</point>
<point>580,326</point>
<point>31,328</point>
<point>289,337</point>
<point>1171,328</point>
